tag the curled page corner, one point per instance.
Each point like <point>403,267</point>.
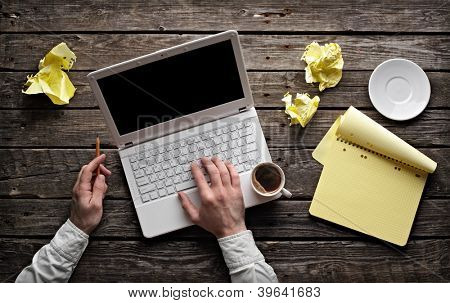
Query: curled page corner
<point>358,128</point>
<point>51,78</point>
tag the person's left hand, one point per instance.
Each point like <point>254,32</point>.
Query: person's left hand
<point>88,193</point>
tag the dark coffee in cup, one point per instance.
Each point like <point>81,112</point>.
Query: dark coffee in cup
<point>267,178</point>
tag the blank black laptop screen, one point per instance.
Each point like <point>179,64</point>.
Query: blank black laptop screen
<point>172,87</point>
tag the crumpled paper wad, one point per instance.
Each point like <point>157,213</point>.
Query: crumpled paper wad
<point>302,109</point>
<point>51,79</point>
<point>324,64</point>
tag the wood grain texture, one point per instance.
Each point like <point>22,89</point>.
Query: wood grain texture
<point>281,219</point>
<point>269,52</point>
<point>26,128</point>
<point>42,147</point>
<point>51,173</point>
<point>280,15</point>
<point>267,87</point>
<point>200,261</point>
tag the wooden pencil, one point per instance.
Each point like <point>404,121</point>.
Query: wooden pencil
<point>97,152</point>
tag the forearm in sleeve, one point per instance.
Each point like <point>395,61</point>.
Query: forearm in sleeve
<point>56,261</point>
<point>244,260</point>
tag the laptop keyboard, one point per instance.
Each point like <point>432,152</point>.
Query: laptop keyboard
<point>164,170</point>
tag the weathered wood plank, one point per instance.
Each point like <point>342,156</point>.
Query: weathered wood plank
<point>285,15</point>
<point>34,128</point>
<point>52,173</point>
<point>271,52</point>
<point>201,261</point>
<point>267,87</point>
<point>278,219</point>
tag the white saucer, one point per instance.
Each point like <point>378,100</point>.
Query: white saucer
<point>399,89</point>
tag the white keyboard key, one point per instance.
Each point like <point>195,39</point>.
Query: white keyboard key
<point>139,173</point>
<point>192,148</point>
<point>142,181</point>
<point>176,152</point>
<point>147,188</point>
<point>154,195</point>
<point>232,144</point>
<point>184,151</point>
<point>249,147</point>
<point>162,192</point>
<point>201,145</point>
<point>167,156</point>
<point>250,139</point>
<point>145,197</point>
<point>160,184</point>
<point>170,190</point>
<point>185,185</point>
<point>176,179</point>
<point>148,170</point>
<point>169,182</point>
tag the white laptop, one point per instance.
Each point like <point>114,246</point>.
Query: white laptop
<point>170,108</point>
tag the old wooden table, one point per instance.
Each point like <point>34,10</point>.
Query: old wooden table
<point>43,146</point>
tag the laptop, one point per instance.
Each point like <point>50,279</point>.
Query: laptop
<point>170,108</point>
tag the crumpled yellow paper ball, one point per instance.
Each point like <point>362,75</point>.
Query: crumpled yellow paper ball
<point>324,64</point>
<point>51,79</point>
<point>302,109</point>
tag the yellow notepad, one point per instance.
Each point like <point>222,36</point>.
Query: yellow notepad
<point>372,180</point>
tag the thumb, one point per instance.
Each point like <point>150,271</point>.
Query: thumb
<point>99,189</point>
<point>189,207</point>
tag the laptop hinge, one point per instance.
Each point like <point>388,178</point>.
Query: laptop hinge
<point>242,109</point>
<point>128,144</point>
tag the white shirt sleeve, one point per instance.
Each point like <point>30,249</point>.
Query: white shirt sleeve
<point>244,260</point>
<point>56,261</point>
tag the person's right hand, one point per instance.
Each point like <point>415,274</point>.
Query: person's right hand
<point>87,197</point>
<point>222,210</point>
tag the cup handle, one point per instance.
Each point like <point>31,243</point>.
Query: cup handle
<point>286,193</point>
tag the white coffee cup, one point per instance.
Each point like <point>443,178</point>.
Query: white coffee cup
<point>275,186</point>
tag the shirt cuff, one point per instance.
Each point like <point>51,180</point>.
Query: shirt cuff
<point>70,242</point>
<point>240,251</point>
